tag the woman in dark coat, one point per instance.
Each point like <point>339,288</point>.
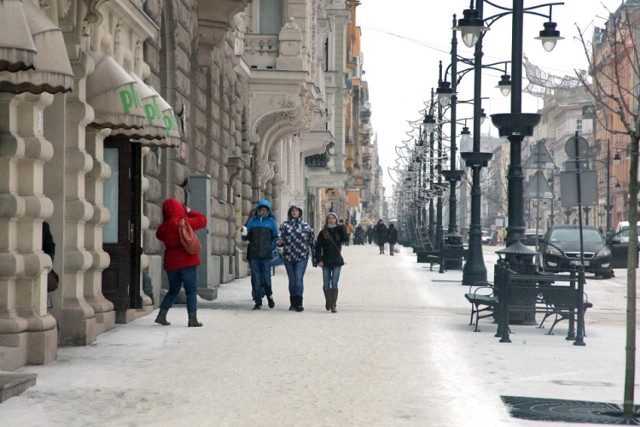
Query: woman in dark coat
<point>180,265</point>
<point>392,238</point>
<point>328,254</point>
<point>380,231</point>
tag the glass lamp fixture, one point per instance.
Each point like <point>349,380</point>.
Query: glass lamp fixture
<point>483,116</point>
<point>465,136</point>
<point>505,84</point>
<point>470,27</point>
<point>428,123</point>
<point>444,93</point>
<point>549,36</point>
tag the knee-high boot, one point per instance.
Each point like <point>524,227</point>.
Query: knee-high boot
<point>334,299</point>
<point>327,298</point>
<point>162,317</point>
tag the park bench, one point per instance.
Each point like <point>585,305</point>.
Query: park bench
<point>540,293</point>
<point>483,302</point>
<point>429,256</point>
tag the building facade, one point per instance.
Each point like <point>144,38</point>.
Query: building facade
<point>107,108</point>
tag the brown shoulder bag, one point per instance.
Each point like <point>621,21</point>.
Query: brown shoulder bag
<point>188,237</point>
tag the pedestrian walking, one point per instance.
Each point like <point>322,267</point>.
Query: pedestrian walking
<point>180,265</point>
<point>297,241</point>
<point>328,253</point>
<point>370,234</point>
<point>358,235</point>
<point>380,231</point>
<point>261,232</point>
<point>392,238</point>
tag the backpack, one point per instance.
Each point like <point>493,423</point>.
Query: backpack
<point>188,238</point>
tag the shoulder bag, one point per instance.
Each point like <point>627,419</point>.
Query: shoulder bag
<point>188,237</point>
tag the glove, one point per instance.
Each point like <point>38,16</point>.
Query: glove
<point>244,231</point>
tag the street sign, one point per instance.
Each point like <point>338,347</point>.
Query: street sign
<point>539,157</point>
<point>570,147</point>
<point>569,188</point>
<point>538,188</point>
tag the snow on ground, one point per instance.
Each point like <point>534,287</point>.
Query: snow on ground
<point>399,352</point>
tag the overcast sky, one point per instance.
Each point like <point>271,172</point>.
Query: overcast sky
<point>403,45</point>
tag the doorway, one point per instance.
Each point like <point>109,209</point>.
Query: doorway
<point>121,235</point>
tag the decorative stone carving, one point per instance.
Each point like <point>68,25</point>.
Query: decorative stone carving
<point>290,51</point>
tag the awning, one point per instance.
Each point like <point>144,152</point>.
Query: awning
<point>172,132</point>
<point>53,72</point>
<point>17,50</point>
<point>156,132</point>
<point>154,128</point>
<point>111,91</point>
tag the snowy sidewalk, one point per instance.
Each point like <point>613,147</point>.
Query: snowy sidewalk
<point>399,352</point>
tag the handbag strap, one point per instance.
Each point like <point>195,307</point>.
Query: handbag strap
<point>334,243</point>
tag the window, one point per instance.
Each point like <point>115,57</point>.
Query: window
<point>271,16</point>
<point>579,125</point>
<point>111,195</point>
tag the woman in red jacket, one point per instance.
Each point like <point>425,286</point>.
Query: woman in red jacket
<point>181,266</point>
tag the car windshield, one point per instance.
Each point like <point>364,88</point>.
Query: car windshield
<point>623,236</point>
<point>573,235</point>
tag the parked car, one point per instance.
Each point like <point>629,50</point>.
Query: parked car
<point>559,251</point>
<point>486,237</point>
<point>530,236</point>
<point>624,226</point>
<point>619,244</point>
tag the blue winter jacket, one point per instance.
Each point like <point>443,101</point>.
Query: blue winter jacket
<point>261,233</point>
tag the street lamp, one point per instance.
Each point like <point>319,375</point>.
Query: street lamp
<point>472,25</point>
<point>549,36</point>
<point>505,83</point>
<point>447,94</point>
<point>516,125</point>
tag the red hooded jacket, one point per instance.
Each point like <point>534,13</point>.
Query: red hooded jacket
<point>174,255</point>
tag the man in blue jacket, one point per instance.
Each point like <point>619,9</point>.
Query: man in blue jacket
<point>261,232</point>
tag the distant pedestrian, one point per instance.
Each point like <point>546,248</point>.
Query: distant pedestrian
<point>261,232</point>
<point>297,241</point>
<point>180,265</point>
<point>380,231</point>
<point>358,235</point>
<point>328,253</point>
<point>392,238</point>
<point>370,234</point>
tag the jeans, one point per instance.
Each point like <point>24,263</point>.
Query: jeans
<point>187,276</point>
<point>295,272</point>
<point>260,277</point>
<point>330,277</point>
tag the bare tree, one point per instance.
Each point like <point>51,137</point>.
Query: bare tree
<point>614,68</point>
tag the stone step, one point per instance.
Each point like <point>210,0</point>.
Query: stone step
<point>12,384</point>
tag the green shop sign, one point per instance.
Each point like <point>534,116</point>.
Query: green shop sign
<point>130,98</point>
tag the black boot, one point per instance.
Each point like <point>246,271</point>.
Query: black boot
<point>299,306</point>
<point>193,320</point>
<point>162,317</point>
<point>270,301</point>
<point>327,299</point>
<point>292,303</point>
<point>334,299</point>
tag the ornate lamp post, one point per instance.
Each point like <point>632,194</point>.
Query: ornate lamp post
<point>514,125</point>
<point>447,96</point>
<point>428,126</point>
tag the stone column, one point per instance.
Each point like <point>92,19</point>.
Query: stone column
<point>102,307</point>
<point>77,318</point>
<point>27,332</point>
